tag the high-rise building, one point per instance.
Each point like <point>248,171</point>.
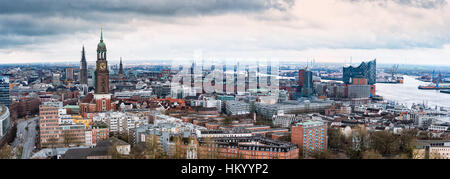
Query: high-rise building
<point>83,69</point>
<point>367,70</point>
<point>56,80</point>
<point>301,77</point>
<point>70,74</point>
<point>307,88</point>
<point>4,91</point>
<point>59,129</point>
<point>50,132</point>
<point>311,136</point>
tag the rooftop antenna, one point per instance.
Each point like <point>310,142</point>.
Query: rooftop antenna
<point>307,63</point>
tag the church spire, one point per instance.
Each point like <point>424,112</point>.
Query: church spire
<point>101,47</point>
<point>83,68</point>
<point>120,68</point>
<point>83,55</point>
<point>101,34</point>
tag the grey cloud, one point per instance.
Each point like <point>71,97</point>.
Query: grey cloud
<point>149,7</point>
<point>32,18</point>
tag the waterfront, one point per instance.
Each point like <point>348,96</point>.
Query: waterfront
<point>408,93</point>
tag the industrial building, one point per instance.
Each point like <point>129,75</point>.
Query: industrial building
<point>237,108</point>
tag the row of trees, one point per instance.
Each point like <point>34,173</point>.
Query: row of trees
<point>152,149</point>
<point>362,144</point>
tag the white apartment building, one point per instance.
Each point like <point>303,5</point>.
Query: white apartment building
<point>122,122</point>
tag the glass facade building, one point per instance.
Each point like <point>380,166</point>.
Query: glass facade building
<point>4,91</point>
<point>367,70</point>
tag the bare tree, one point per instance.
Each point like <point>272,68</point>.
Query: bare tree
<point>180,148</point>
<point>371,154</point>
<point>435,155</point>
<point>209,149</point>
<point>68,138</point>
<point>153,149</point>
<point>114,153</point>
<point>6,152</point>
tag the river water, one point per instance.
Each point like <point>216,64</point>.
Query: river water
<point>408,93</point>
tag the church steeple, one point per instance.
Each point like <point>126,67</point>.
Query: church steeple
<point>101,72</point>
<point>101,34</point>
<point>83,55</point>
<point>83,68</point>
<point>101,47</point>
<point>120,68</point>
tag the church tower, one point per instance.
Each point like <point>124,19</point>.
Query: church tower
<point>120,69</point>
<point>83,68</point>
<point>101,96</point>
<point>101,71</point>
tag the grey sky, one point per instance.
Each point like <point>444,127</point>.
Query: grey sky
<point>398,31</point>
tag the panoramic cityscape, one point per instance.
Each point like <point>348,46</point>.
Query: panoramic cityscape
<point>223,80</point>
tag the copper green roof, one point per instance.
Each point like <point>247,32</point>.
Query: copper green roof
<point>71,106</point>
<point>101,47</point>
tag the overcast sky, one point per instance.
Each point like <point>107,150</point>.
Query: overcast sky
<point>392,31</point>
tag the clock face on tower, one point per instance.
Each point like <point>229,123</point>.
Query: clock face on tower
<point>103,66</point>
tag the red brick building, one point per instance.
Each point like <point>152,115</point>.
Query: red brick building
<point>310,136</point>
<point>49,125</point>
<point>246,148</point>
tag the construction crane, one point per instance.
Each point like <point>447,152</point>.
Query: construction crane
<point>438,79</point>
<point>394,71</point>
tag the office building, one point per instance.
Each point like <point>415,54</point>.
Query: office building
<point>70,74</point>
<point>307,89</point>
<point>4,91</point>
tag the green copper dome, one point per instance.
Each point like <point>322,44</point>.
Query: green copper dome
<point>101,47</point>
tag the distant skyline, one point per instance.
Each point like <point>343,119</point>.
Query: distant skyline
<point>392,31</point>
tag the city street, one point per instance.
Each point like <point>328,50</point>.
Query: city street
<point>26,136</point>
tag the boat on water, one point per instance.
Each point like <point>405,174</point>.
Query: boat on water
<point>377,98</point>
<point>435,87</point>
